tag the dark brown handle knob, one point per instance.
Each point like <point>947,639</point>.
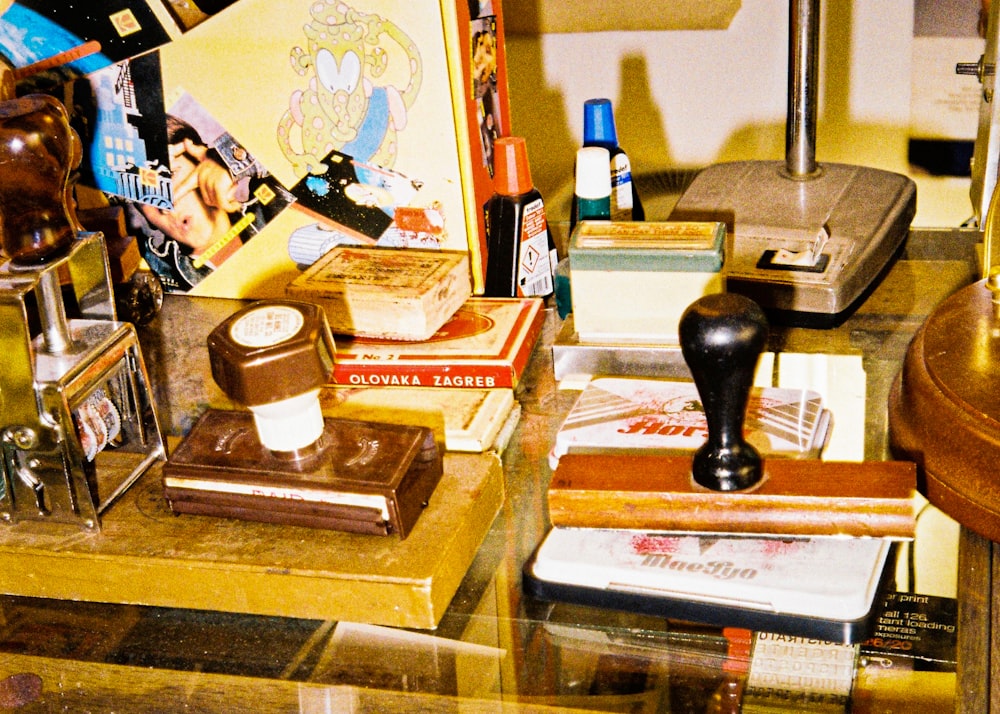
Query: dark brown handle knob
<point>38,150</point>
<point>274,356</point>
<point>721,338</point>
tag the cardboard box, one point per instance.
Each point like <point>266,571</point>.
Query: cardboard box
<point>473,420</point>
<point>386,293</point>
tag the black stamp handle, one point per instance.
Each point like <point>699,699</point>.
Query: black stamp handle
<point>722,336</point>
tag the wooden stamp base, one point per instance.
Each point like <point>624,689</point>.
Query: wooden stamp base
<point>804,497</point>
<point>365,477</point>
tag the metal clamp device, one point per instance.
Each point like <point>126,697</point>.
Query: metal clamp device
<point>77,421</point>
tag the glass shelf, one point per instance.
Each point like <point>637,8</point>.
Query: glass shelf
<point>495,649</point>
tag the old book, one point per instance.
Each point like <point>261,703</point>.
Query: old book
<point>814,587</point>
<point>367,478</point>
<point>386,293</point>
<point>794,498</point>
<point>461,419</point>
<point>147,555</point>
<point>665,416</point>
<point>485,345</point>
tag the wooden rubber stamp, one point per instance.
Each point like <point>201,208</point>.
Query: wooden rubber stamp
<point>281,460</point>
<point>727,487</point>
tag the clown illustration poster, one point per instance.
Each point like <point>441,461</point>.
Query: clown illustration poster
<point>357,107</point>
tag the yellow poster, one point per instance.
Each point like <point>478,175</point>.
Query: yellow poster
<point>317,91</point>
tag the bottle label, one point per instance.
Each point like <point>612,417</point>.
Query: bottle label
<point>534,270</point>
<point>621,188</point>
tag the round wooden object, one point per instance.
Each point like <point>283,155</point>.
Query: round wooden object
<point>944,409</point>
<point>38,151</point>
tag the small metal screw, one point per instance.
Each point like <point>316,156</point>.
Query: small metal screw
<point>23,437</point>
<point>981,70</point>
<point>971,69</point>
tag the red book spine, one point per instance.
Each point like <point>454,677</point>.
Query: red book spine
<point>430,370</point>
<point>486,99</point>
<point>389,373</point>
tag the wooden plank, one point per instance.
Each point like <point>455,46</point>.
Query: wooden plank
<point>42,684</point>
<point>146,555</point>
<point>975,593</point>
<point>992,680</point>
<point>795,497</point>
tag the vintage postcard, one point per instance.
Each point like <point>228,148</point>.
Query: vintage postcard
<point>208,200</point>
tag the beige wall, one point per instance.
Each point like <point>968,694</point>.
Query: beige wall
<point>689,98</point>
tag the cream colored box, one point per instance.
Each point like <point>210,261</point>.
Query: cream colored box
<point>386,293</point>
<point>631,281</point>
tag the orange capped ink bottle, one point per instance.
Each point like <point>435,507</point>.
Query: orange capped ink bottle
<point>521,253</point>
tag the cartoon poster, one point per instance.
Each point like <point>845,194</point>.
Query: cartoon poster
<point>366,79</point>
<point>118,113</point>
<point>113,88</point>
<point>363,204</point>
<point>189,14</point>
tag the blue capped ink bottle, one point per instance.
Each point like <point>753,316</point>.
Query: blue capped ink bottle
<point>599,130</point>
